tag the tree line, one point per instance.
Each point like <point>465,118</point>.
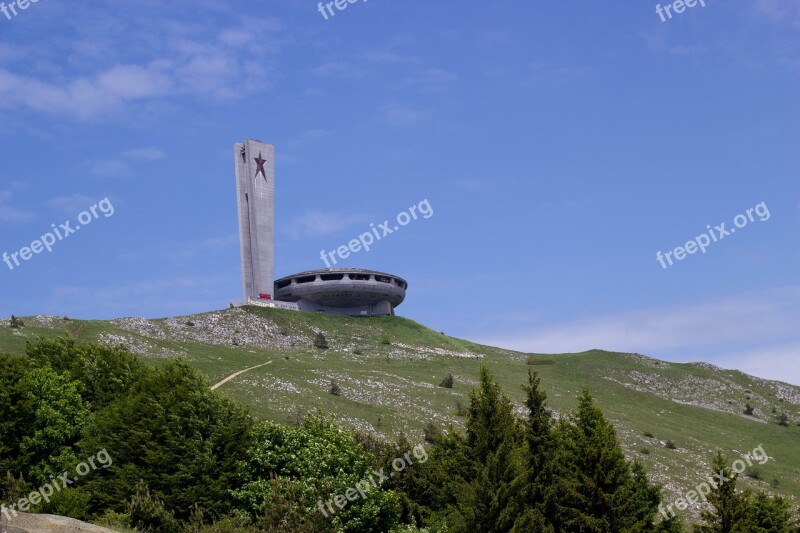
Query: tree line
<point>187,459</point>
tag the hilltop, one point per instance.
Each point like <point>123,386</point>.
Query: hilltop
<point>389,369</point>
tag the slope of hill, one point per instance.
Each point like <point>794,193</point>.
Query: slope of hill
<point>388,371</point>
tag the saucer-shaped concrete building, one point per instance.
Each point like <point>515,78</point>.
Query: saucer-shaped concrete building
<point>349,291</point>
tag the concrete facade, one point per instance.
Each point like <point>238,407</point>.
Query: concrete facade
<point>347,291</point>
<point>255,196</point>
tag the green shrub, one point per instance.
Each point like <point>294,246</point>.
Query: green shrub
<point>752,472</point>
<point>147,513</point>
<point>385,339</point>
<point>230,524</point>
<point>113,520</point>
<point>13,488</point>
<point>105,373</point>
<point>432,433</point>
<point>447,382</point>
<point>288,470</point>
<point>177,435</point>
<point>52,414</point>
<point>409,528</point>
<point>73,503</point>
<point>320,341</point>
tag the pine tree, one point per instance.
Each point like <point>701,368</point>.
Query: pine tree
<point>493,435</point>
<point>728,506</point>
<point>600,491</point>
<point>536,510</point>
<point>147,513</point>
<point>642,500</point>
<point>768,514</point>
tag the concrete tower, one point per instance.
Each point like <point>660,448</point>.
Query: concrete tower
<point>255,194</point>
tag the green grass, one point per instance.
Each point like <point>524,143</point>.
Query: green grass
<point>393,388</point>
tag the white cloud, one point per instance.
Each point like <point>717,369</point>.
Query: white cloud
<point>111,168</point>
<point>182,253</point>
<point>780,11</point>
<point>71,204</point>
<point>399,115</point>
<point>145,154</point>
<point>318,223</point>
<point>778,362</point>
<point>188,294</point>
<point>227,64</point>
<point>88,95</point>
<point>336,68</point>
<point>384,57</point>
<point>541,74</point>
<point>430,79</point>
<point>9,213</point>
<point>12,214</point>
<point>727,331</point>
<point>475,184</point>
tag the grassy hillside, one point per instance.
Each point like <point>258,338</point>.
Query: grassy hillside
<point>389,370</point>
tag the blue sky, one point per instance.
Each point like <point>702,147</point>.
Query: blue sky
<point>560,145</point>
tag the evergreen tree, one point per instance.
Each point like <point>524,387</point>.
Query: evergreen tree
<point>641,503</point>
<point>535,487</point>
<point>600,492</point>
<point>768,514</point>
<point>171,431</point>
<point>728,506</point>
<point>493,438</point>
<point>734,512</point>
<point>431,491</point>
<point>147,513</point>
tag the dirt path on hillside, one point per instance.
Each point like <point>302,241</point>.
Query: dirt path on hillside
<point>239,373</point>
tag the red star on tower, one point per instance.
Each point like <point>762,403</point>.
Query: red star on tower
<point>260,170</point>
